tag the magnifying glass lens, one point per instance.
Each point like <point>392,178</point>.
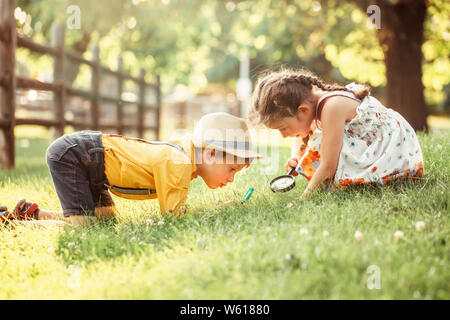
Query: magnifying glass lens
<point>282,183</point>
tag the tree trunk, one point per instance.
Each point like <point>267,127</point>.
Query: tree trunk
<point>401,38</point>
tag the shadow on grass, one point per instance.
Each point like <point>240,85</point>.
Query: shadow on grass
<point>109,240</point>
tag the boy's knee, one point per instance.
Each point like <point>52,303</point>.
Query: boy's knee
<point>106,212</point>
<point>80,220</point>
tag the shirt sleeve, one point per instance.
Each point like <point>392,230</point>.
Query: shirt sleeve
<point>172,180</point>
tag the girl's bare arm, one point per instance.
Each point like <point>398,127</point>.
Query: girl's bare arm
<point>333,117</point>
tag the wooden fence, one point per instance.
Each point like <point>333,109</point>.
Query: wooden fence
<point>9,83</point>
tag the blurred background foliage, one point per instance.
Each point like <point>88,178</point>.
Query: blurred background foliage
<point>198,43</point>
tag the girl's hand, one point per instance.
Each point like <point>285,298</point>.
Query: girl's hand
<point>292,163</point>
<point>306,193</point>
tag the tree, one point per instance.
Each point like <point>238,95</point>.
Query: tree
<point>401,37</point>
<point>196,42</point>
<point>98,17</point>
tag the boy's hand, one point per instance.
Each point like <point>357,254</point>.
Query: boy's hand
<point>291,163</point>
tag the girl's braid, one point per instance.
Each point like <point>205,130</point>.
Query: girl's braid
<point>271,100</point>
<point>307,81</point>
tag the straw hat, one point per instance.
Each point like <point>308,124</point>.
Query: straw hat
<point>224,132</point>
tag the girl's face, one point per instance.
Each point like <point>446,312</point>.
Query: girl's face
<point>296,126</point>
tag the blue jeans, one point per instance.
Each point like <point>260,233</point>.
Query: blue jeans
<point>77,165</point>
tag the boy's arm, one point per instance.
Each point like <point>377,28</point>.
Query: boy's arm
<point>173,202</point>
<point>172,180</point>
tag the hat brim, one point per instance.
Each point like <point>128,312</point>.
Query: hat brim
<point>241,153</point>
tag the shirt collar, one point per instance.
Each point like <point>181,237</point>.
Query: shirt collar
<point>189,149</point>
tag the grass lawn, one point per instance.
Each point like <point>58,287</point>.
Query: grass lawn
<point>251,251</point>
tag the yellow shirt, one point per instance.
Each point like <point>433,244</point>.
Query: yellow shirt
<point>164,169</point>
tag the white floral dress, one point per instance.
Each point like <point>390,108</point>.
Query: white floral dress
<point>379,145</point>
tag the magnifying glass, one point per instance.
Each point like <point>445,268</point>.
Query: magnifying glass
<point>283,183</point>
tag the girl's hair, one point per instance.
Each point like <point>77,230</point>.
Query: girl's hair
<point>279,94</point>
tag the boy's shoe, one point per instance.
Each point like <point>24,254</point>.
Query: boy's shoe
<point>25,210</point>
<point>5,215</point>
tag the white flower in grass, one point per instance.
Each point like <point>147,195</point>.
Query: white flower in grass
<point>160,223</point>
<point>358,235</point>
<point>420,226</point>
<point>201,242</point>
<point>398,236</point>
<point>72,232</point>
<point>325,233</point>
<point>71,244</point>
<point>303,232</point>
<point>149,222</point>
<point>289,205</point>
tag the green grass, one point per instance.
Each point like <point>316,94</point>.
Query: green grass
<point>254,251</point>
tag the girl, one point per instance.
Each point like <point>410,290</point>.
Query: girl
<point>342,134</point>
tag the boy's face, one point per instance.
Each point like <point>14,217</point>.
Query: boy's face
<point>218,171</point>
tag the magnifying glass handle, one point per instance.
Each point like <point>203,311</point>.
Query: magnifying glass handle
<point>291,171</point>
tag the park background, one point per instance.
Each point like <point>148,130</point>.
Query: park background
<point>206,54</point>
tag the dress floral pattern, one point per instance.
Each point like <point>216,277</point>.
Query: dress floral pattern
<point>379,145</point>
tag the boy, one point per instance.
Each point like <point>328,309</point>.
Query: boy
<point>86,165</point>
